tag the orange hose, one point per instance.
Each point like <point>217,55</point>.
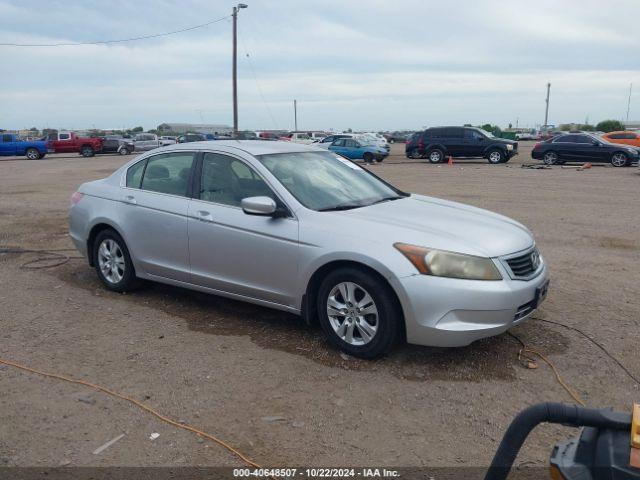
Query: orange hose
<point>140,405</point>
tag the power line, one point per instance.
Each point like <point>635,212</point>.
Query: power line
<point>255,78</point>
<point>121,40</point>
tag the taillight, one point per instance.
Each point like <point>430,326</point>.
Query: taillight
<point>421,144</point>
<point>76,197</point>
<point>537,145</point>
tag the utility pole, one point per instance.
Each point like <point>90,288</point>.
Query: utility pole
<point>546,112</point>
<point>629,102</point>
<point>295,115</point>
<point>234,14</point>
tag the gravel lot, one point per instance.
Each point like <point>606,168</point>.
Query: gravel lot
<point>270,386</point>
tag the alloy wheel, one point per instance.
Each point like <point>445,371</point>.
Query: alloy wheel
<point>32,155</point>
<point>435,157</point>
<point>352,313</point>
<point>495,157</point>
<point>111,260</point>
<point>619,160</point>
<point>550,158</point>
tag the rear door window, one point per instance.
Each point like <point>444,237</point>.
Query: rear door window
<point>168,173</point>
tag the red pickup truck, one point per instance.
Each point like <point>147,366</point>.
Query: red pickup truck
<point>68,142</point>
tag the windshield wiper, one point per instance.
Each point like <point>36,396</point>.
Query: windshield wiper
<point>388,199</point>
<point>344,206</point>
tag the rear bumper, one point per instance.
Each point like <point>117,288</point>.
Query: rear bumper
<point>445,312</point>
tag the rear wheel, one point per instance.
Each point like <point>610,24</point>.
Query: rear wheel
<point>32,154</point>
<point>435,156</point>
<point>619,159</point>
<point>87,151</point>
<point>358,313</point>
<point>496,156</point>
<point>550,158</point>
<point>113,262</point>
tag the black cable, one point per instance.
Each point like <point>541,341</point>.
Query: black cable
<point>47,256</point>
<point>595,342</point>
<point>121,40</point>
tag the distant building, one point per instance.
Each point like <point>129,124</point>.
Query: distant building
<point>194,128</point>
<point>632,125</point>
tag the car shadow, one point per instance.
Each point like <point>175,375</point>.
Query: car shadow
<point>491,358</point>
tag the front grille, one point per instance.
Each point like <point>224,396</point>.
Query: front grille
<point>525,265</point>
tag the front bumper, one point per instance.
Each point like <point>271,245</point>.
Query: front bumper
<point>447,312</point>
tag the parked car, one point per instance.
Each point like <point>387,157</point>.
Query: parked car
<point>376,139</point>
<point>625,138</point>
<point>396,137</point>
<point>316,136</point>
<point>12,145</point>
<point>358,149</point>
<point>583,147</point>
<point>532,135</point>
<point>169,138</point>
<point>117,144</point>
<point>306,231</point>
<point>328,140</point>
<point>148,141</point>
<point>297,137</point>
<point>438,143</point>
<point>191,137</point>
<point>69,142</point>
<point>245,135</point>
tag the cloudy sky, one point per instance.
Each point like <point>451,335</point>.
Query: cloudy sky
<point>369,64</point>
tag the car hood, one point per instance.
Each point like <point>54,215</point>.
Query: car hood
<point>441,224</point>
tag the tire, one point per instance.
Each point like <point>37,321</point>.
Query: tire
<point>415,153</point>
<point>87,151</point>
<point>392,140</point>
<point>349,333</point>
<point>33,154</point>
<point>368,157</point>
<point>496,156</point>
<point>123,151</point>
<point>435,156</point>
<point>619,159</point>
<point>113,262</point>
<point>550,158</point>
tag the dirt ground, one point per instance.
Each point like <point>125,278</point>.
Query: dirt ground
<point>271,386</point>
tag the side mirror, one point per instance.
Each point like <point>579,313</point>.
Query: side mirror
<point>258,206</point>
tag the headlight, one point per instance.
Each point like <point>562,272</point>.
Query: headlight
<point>509,146</point>
<point>441,263</point>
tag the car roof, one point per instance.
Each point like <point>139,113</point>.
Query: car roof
<point>252,147</point>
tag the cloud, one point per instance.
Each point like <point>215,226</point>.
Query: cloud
<point>374,65</point>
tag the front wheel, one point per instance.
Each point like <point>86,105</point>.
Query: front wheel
<point>358,313</point>
<point>496,156</point>
<point>87,151</point>
<point>113,262</point>
<point>550,158</point>
<point>32,154</point>
<point>619,159</point>
<point>368,157</point>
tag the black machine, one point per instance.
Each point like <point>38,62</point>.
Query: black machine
<point>608,446</point>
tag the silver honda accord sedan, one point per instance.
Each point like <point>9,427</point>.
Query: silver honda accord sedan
<point>303,230</point>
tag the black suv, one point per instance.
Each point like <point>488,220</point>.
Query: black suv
<point>438,143</point>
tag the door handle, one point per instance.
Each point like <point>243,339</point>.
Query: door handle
<point>204,216</point>
<point>130,199</point>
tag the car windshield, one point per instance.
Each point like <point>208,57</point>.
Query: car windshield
<point>324,181</point>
